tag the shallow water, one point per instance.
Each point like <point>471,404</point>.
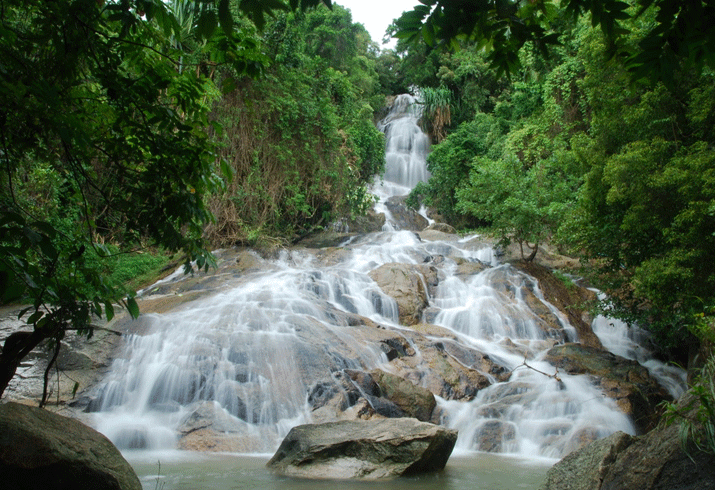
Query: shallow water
<point>192,471</point>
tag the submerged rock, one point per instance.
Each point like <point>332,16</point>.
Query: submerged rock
<point>374,449</point>
<point>41,450</point>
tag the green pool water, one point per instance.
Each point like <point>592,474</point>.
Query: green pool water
<point>473,471</point>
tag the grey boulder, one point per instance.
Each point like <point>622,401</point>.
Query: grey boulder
<point>42,450</point>
<point>364,449</point>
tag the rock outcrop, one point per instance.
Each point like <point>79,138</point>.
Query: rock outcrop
<point>570,299</point>
<point>371,450</point>
<point>353,394</point>
<point>414,401</point>
<point>41,450</point>
<point>405,218</point>
<point>653,461</point>
<point>409,285</point>
<point>635,391</point>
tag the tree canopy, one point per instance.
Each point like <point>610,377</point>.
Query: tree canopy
<point>106,136</point>
<point>680,35</point>
<point>572,151</point>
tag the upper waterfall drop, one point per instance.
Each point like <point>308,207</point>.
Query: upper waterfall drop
<point>406,148</point>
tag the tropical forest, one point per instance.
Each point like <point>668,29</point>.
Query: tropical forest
<point>224,222</point>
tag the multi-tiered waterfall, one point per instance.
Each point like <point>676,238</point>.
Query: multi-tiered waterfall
<point>254,357</point>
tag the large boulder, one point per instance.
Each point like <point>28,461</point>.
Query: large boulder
<point>413,400</point>
<point>405,218</point>
<point>41,450</point>
<point>585,468</point>
<point>371,450</point>
<point>409,286</point>
<point>634,390</point>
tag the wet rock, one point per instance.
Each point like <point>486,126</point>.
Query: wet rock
<point>405,218</point>
<point>430,234</point>
<point>353,394</point>
<point>441,373</point>
<point>40,450</point>
<point>371,450</point>
<point>572,300</point>
<point>445,366</point>
<point>636,393</point>
<point>654,461</point>
<point>408,285</point>
<point>585,468</point>
<point>467,268</point>
<point>209,428</point>
<point>442,227</point>
<point>503,396</point>
<point>495,436</point>
<point>345,228</point>
<point>414,401</point>
<point>661,463</point>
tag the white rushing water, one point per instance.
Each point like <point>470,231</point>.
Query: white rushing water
<point>406,149</point>
<point>634,343</point>
<point>249,357</point>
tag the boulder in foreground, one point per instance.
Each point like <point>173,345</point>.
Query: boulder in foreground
<point>40,450</point>
<point>364,449</point>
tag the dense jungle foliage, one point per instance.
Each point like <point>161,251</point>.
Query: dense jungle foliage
<point>138,128</point>
<point>135,129</point>
<point>576,150</point>
<point>300,139</point>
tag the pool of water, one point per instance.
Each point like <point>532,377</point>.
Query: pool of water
<point>193,471</point>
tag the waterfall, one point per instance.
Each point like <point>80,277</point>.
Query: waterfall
<point>260,353</point>
<point>406,149</point>
<point>632,342</point>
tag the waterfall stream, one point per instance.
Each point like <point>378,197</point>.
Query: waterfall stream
<point>252,359</point>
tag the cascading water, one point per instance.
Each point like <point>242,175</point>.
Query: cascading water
<point>255,358</point>
<point>406,152</point>
<point>406,147</point>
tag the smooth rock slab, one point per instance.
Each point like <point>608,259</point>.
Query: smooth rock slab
<point>364,449</point>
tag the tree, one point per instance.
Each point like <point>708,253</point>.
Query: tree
<point>300,140</point>
<point>679,37</point>
<point>524,205</point>
<point>93,97</point>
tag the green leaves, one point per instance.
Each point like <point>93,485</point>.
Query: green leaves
<point>520,204</point>
<point>226,19</point>
<point>132,306</point>
<point>678,38</point>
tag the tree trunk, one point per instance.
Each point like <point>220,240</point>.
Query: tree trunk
<point>16,347</point>
<point>534,249</point>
